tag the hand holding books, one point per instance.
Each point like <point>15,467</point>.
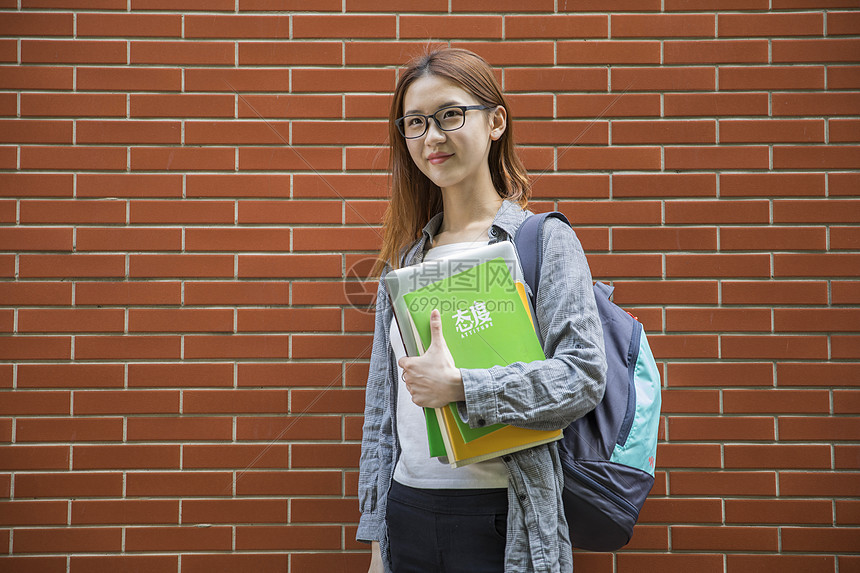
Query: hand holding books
<point>432,378</point>
<point>488,323</point>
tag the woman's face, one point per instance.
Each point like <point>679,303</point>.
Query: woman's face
<point>451,158</point>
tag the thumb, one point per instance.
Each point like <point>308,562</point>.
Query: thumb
<point>436,336</point>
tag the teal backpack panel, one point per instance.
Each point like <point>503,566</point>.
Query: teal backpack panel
<point>640,448</point>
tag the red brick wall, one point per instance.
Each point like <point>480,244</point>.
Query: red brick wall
<point>190,192</point>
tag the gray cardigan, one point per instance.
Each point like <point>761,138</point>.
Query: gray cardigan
<point>546,394</point>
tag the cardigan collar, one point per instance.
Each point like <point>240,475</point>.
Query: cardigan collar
<point>508,218</point>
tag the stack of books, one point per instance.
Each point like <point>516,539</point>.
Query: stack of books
<point>486,321</point>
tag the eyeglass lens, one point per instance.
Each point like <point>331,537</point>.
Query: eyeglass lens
<point>447,119</point>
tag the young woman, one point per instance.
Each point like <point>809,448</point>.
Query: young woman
<point>457,184</point>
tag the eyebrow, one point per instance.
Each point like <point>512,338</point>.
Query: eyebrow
<point>446,104</point>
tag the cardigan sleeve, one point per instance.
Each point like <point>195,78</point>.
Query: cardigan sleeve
<point>377,434</point>
<point>549,394</point>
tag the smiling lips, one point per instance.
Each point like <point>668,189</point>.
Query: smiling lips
<point>437,158</point>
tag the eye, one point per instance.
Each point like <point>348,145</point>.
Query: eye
<point>413,120</point>
<point>450,112</point>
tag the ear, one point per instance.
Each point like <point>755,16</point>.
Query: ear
<point>498,122</point>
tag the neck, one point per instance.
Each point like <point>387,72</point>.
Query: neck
<point>466,210</point>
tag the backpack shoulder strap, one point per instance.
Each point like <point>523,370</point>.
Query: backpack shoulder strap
<point>528,241</point>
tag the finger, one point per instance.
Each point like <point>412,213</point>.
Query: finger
<point>436,327</point>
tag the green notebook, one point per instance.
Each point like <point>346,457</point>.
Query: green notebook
<point>434,434</point>
<point>484,322</point>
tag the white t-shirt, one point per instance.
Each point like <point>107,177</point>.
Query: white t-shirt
<point>415,467</point>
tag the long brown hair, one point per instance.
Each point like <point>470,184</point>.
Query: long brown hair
<point>415,199</point>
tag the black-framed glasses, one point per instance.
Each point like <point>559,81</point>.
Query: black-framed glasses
<point>448,118</point>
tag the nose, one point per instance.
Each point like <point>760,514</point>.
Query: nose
<point>434,133</point>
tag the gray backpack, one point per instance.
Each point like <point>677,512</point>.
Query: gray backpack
<point>608,455</point>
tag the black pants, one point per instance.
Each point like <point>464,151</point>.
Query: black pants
<point>447,530</point>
